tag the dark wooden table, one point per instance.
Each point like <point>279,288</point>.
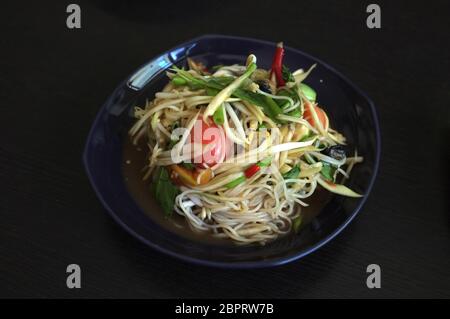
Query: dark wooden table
<point>53,81</point>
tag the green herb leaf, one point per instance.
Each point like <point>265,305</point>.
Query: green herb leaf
<point>211,92</point>
<point>295,113</point>
<point>220,80</point>
<point>293,173</point>
<point>289,93</point>
<point>328,171</point>
<point>271,108</point>
<point>294,95</point>
<point>219,116</point>
<point>268,105</point>
<point>286,74</point>
<point>164,191</point>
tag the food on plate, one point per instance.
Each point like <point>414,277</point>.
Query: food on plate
<point>238,150</point>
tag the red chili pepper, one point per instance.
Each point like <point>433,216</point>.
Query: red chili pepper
<point>252,170</point>
<point>277,64</point>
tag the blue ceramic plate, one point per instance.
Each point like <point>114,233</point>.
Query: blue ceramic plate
<point>350,111</point>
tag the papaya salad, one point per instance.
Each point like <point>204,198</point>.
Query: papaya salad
<point>237,150</point>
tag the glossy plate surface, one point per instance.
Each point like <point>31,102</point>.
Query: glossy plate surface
<point>350,111</point>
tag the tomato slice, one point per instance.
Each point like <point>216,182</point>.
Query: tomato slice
<point>212,136</point>
<point>320,113</point>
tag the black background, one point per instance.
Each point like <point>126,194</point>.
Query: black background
<point>53,81</point>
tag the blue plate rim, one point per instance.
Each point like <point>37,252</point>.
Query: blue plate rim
<point>244,264</point>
